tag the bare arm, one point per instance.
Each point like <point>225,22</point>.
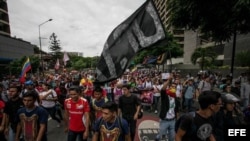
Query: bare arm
<point>43,97</point>
<point>41,132</point>
<point>66,119</point>
<point>18,131</point>
<point>86,124</point>
<point>50,92</point>
<point>127,137</point>
<point>212,138</point>
<point>180,133</point>
<point>95,136</point>
<point>6,128</point>
<point>166,84</point>
<point>137,112</point>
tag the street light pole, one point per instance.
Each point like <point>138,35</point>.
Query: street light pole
<point>41,58</point>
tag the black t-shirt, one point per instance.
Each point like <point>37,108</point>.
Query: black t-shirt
<point>201,128</point>
<point>128,105</point>
<point>11,109</point>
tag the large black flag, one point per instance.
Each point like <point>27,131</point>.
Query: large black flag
<point>141,30</point>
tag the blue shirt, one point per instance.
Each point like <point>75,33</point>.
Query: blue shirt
<point>31,120</point>
<point>189,92</point>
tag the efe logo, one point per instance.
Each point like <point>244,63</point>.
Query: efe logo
<point>237,132</point>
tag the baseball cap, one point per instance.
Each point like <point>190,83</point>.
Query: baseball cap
<point>29,82</point>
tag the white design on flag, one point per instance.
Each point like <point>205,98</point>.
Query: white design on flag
<point>119,30</point>
<point>139,31</point>
<point>132,41</point>
<point>147,41</point>
<point>109,61</point>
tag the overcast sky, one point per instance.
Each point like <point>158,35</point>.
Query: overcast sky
<point>80,25</point>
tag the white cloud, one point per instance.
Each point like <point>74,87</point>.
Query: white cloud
<point>80,25</point>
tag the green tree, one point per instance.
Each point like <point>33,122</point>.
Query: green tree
<point>55,47</point>
<point>243,58</point>
<point>15,67</point>
<point>168,45</point>
<point>218,19</point>
<point>79,64</point>
<point>204,56</point>
<point>36,50</point>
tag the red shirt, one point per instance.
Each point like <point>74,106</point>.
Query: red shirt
<point>76,112</point>
<point>89,86</point>
<point>2,105</point>
<point>58,91</point>
<point>39,88</point>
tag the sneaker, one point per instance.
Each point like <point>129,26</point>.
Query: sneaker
<point>156,111</point>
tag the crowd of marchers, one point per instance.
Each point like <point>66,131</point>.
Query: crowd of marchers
<point>189,107</point>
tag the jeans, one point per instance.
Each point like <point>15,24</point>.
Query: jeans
<point>189,103</point>
<point>52,113</point>
<point>156,102</point>
<point>167,128</point>
<point>245,102</point>
<point>11,135</point>
<point>110,96</point>
<point>132,127</point>
<point>72,136</point>
<point>59,111</point>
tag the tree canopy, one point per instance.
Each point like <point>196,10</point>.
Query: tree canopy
<point>168,45</point>
<point>243,58</point>
<point>218,19</point>
<point>204,56</point>
<point>55,47</point>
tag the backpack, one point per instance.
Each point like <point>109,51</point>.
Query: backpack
<point>180,119</point>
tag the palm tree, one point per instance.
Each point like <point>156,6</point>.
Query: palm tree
<point>204,56</point>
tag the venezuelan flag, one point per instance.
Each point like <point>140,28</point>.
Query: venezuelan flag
<point>25,69</point>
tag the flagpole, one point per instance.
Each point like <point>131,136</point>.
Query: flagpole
<point>31,68</point>
<point>31,71</point>
<point>170,60</point>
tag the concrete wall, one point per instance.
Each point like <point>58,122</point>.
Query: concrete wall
<point>242,43</point>
<point>190,44</point>
<point>193,70</point>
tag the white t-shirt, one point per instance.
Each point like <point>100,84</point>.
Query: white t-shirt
<point>157,90</point>
<point>178,90</point>
<point>46,103</point>
<point>148,84</point>
<point>171,112</point>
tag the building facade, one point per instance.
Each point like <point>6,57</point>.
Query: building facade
<point>10,48</point>
<point>4,20</point>
<point>190,40</point>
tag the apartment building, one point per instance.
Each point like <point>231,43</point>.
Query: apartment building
<point>10,47</point>
<point>190,40</point>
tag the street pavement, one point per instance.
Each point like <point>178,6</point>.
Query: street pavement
<point>147,128</point>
